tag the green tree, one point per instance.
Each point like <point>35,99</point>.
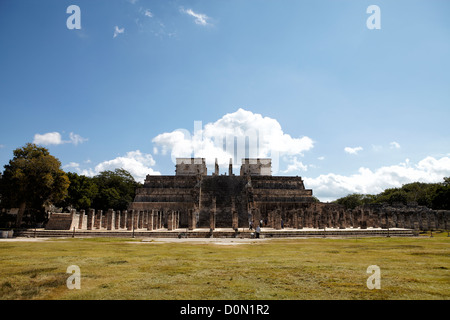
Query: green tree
<point>353,200</point>
<point>392,196</point>
<point>32,179</point>
<point>441,197</point>
<point>81,192</point>
<point>420,193</point>
<point>116,189</point>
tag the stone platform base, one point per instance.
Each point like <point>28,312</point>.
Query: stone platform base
<point>222,233</point>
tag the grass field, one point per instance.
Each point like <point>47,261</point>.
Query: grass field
<point>319,268</point>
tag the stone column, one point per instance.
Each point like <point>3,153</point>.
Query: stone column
<point>300,218</point>
<point>161,215</point>
<point>130,217</point>
<point>109,219</point>
<point>145,220</point>
<point>123,219</point>
<point>135,219</point>
<point>155,219</point>
<point>234,215</point>
<point>341,219</point>
<point>190,213</point>
<point>364,218</point>
<point>98,220</point>
<point>157,224</point>
<point>90,219</point>
<point>117,220</point>
<point>139,219</point>
<point>80,222</point>
<point>212,215</point>
<point>294,217</point>
<point>150,220</point>
<point>170,220</point>
<point>102,220</point>
<point>277,219</point>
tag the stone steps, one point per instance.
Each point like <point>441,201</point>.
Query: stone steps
<point>216,234</point>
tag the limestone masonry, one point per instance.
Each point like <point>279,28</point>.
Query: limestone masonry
<point>193,199</point>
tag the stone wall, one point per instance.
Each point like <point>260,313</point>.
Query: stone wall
<point>61,221</point>
<point>114,220</point>
<point>291,215</point>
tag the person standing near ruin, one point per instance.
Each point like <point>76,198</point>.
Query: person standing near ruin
<point>258,230</point>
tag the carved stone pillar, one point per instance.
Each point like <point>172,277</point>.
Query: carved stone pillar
<point>117,220</point>
<point>130,218</point>
<point>123,219</point>
<point>212,215</point>
<point>135,219</point>
<point>80,221</point>
<point>150,220</point>
<point>169,214</point>
<point>90,219</point>
<point>277,219</point>
<point>109,219</point>
<point>98,219</point>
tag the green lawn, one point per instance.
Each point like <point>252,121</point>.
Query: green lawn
<point>320,268</point>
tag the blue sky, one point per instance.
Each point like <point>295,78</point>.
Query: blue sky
<point>348,108</point>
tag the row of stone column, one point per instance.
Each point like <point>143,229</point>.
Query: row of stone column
<point>126,219</point>
<point>358,218</point>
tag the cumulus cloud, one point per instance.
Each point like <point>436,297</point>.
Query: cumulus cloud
<point>55,138</point>
<point>331,186</point>
<point>118,31</point>
<point>350,150</point>
<point>138,164</point>
<point>200,18</point>
<point>295,166</point>
<point>237,135</point>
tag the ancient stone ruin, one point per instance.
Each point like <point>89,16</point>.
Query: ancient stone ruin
<point>192,199</point>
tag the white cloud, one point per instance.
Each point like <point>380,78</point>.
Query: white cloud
<point>353,150</point>
<point>72,165</point>
<point>321,158</point>
<point>117,31</point>
<point>135,162</point>
<point>76,138</point>
<point>55,138</point>
<point>2,146</point>
<point>295,166</point>
<point>199,17</point>
<point>246,133</point>
<point>148,13</point>
<point>48,138</point>
<point>394,145</point>
<point>331,186</point>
